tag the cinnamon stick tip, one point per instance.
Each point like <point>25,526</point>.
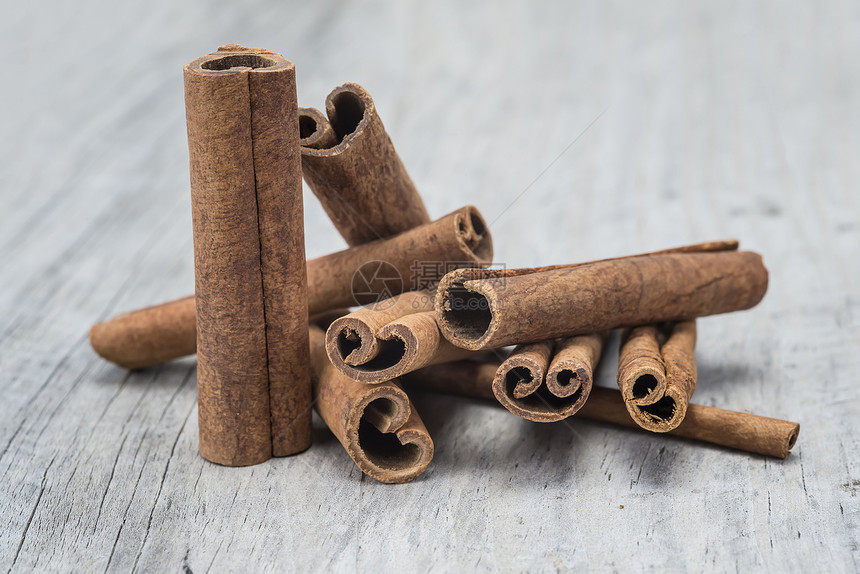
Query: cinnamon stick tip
<point>96,336</point>
<point>457,293</point>
<point>640,386</point>
<point>565,379</point>
<point>314,130</point>
<point>236,59</point>
<point>102,341</point>
<point>790,441</point>
<point>349,109</point>
<point>350,341</point>
<point>389,457</point>
<point>473,234</point>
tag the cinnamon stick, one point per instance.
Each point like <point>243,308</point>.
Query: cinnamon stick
<point>149,336</point>
<point>547,381</point>
<point>157,334</point>
<point>480,309</point>
<point>253,377</point>
<point>389,338</point>
<point>314,130</point>
<point>732,429</point>
<point>657,374</point>
<point>377,425</point>
<point>359,178</point>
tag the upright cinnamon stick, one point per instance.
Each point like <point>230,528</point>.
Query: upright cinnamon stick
<point>481,309</point>
<point>738,430</point>
<point>657,374</point>
<point>359,179</point>
<point>389,338</point>
<point>547,382</point>
<point>157,334</point>
<point>250,280</point>
<point>377,425</point>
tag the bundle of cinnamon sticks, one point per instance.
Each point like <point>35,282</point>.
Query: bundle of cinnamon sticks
<point>275,337</point>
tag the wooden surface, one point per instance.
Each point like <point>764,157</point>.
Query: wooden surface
<point>706,121</point>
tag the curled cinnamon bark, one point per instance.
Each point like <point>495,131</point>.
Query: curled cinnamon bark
<point>481,309</point>
<point>314,130</point>
<point>657,374</point>
<point>359,178</point>
<point>389,338</point>
<point>157,334</point>
<point>732,429</point>
<point>253,378</point>
<point>377,425</point>
<point>546,381</point>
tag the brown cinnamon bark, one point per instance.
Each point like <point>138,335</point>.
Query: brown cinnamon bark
<point>377,425</point>
<point>389,338</point>
<point>546,381</point>
<point>157,334</point>
<point>253,376</point>
<point>480,309</point>
<point>149,336</point>
<point>738,430</point>
<point>657,374</point>
<point>314,130</point>
<point>359,179</point>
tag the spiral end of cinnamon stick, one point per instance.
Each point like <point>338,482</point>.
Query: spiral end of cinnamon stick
<point>349,109</point>
<point>390,356</point>
<point>399,347</point>
<point>473,235</point>
<point>350,341</point>
<point>315,131</point>
<point>536,388</point>
<point>657,374</point>
<point>465,308</point>
<point>386,438</point>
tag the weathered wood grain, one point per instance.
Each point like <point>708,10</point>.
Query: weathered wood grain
<point>709,120</point>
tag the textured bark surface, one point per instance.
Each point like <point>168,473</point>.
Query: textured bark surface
<point>251,299</point>
<point>359,179</point>
<point>280,213</point>
<point>377,425</point>
<point>548,381</point>
<point>389,338</point>
<point>157,334</point>
<point>657,374</point>
<point>739,430</point>
<point>483,309</point>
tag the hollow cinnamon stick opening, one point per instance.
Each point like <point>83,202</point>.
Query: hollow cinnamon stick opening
<point>657,374</point>
<point>548,381</point>
<point>250,280</point>
<point>389,338</point>
<point>359,178</point>
<point>481,309</point>
<point>377,425</point>
<point>738,430</point>
<point>314,130</point>
<point>157,334</point>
